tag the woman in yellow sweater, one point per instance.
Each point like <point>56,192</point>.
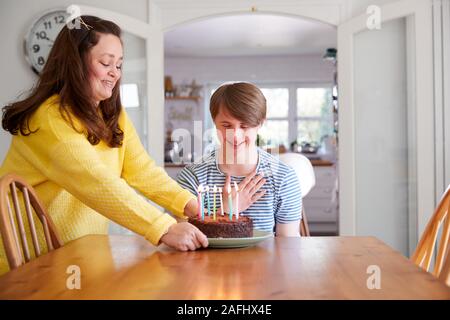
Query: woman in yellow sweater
<point>74,143</point>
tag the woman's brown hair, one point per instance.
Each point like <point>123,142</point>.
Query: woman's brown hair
<point>67,73</point>
<point>244,101</point>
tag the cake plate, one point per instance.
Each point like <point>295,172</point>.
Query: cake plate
<point>258,236</point>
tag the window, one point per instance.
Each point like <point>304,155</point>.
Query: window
<point>314,114</point>
<point>129,95</point>
<point>275,130</point>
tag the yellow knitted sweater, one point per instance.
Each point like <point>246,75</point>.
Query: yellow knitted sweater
<point>82,186</point>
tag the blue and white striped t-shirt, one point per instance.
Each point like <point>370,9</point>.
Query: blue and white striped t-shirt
<point>282,202</point>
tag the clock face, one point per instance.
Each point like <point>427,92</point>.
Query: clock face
<point>41,37</point>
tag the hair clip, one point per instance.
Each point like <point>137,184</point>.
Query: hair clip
<point>85,24</point>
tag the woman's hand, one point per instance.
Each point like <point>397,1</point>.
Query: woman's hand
<point>191,208</point>
<point>184,236</point>
<point>248,192</point>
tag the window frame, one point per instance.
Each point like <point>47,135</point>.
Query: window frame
<point>292,118</point>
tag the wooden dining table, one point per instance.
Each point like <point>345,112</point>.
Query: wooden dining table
<point>128,267</point>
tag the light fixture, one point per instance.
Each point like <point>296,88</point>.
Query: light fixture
<point>330,54</point>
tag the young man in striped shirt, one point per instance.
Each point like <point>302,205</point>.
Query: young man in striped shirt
<point>269,191</point>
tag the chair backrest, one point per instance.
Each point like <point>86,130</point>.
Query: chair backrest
<point>427,244</point>
<point>17,252</point>
<point>303,168</point>
<point>305,174</point>
<point>444,276</point>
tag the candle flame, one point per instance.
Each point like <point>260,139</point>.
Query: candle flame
<point>214,189</point>
<point>200,188</point>
<point>236,186</point>
<point>229,188</point>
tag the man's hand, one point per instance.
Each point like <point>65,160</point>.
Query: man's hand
<point>248,191</point>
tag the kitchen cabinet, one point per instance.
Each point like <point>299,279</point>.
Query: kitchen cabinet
<point>321,203</point>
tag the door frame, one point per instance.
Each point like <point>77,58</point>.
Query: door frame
<point>420,79</point>
<point>164,15</point>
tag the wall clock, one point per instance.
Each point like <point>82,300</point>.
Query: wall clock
<point>41,36</point>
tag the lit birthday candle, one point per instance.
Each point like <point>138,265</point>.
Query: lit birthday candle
<point>207,200</point>
<point>199,202</point>
<point>237,200</point>
<point>214,201</point>
<point>200,190</point>
<point>230,202</point>
<point>221,202</point>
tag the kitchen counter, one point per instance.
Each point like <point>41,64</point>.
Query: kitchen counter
<point>314,162</point>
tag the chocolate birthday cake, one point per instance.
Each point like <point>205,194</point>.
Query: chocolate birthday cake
<point>223,227</point>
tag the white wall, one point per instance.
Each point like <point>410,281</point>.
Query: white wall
<point>357,7</point>
<point>216,70</point>
<point>308,68</point>
<point>15,18</point>
<point>441,42</point>
<point>274,69</point>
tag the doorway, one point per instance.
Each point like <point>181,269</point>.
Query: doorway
<point>292,60</point>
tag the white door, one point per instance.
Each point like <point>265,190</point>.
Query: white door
<point>386,142</point>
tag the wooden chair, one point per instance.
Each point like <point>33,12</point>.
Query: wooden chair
<point>427,244</point>
<point>304,229</point>
<point>18,253</point>
<point>305,173</point>
<point>444,276</point>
